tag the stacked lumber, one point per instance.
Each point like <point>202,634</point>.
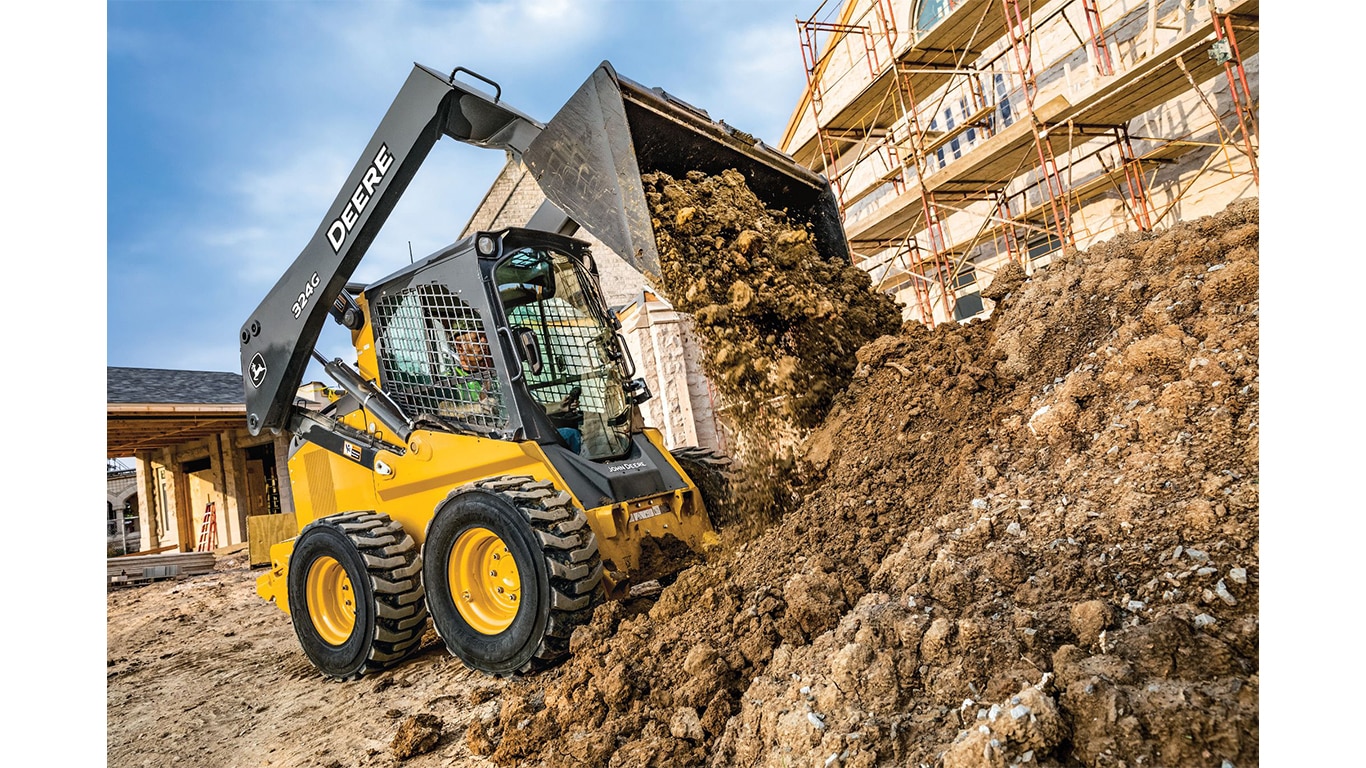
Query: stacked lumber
<point>168,565</point>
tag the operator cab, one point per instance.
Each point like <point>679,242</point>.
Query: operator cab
<point>561,374</point>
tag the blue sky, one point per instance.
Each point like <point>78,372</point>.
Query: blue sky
<point>232,126</point>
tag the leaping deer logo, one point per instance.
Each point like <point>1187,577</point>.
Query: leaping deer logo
<point>257,369</point>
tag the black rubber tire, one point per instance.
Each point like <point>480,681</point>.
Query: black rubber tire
<point>713,474</point>
<point>385,570</point>
<point>556,555</point>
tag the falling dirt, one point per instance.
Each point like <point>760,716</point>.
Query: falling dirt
<point>778,323</point>
<point>1030,540</point>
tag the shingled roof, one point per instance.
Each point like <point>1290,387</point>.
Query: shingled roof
<point>156,385</point>
<point>155,408</point>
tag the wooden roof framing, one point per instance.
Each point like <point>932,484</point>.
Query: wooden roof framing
<point>133,427</point>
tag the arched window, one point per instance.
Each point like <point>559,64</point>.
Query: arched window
<point>930,12</point>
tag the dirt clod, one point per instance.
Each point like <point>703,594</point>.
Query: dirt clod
<point>416,735</point>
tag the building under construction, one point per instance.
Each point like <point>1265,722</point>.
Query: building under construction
<point>959,135</point>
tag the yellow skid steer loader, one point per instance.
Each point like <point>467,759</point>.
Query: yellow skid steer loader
<point>486,464</point>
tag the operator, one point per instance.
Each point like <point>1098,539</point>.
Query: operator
<point>472,365</point>
<point>470,352</point>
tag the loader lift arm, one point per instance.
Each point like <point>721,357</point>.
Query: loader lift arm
<point>278,338</point>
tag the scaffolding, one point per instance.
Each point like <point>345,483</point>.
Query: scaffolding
<point>962,134</point>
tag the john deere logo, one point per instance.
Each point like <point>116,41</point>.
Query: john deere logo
<point>257,369</point>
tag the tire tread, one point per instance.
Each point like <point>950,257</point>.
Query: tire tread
<point>394,567</point>
<point>571,553</point>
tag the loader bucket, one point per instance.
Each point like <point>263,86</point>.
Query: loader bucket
<point>589,159</point>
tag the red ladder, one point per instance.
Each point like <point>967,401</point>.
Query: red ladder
<point>208,530</point>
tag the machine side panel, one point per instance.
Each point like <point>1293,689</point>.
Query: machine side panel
<point>438,463</point>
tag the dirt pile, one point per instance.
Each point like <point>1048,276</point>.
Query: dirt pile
<point>1029,540</point>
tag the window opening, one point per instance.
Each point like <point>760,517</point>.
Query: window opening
<point>931,12</point>
<point>938,153</point>
<point>1042,247</point>
<point>164,506</point>
<point>966,305</point>
<point>265,454</point>
<point>949,124</point>
<point>1003,100</point>
<point>435,357</point>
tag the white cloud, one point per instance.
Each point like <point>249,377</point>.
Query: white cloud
<point>270,210</point>
<point>234,240</point>
<point>523,37</point>
<point>123,41</point>
<point>740,62</point>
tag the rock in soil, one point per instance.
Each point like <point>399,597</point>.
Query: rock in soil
<point>416,735</point>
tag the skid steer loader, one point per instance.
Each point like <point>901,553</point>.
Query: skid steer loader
<point>486,463</point>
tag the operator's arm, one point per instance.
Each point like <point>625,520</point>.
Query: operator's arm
<point>566,413</point>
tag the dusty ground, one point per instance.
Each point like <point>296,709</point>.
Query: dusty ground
<point>1026,541</point>
<point>202,672</point>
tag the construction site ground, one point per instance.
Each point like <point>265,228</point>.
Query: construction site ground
<point>1029,540</point>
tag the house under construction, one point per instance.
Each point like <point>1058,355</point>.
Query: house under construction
<point>959,135</point>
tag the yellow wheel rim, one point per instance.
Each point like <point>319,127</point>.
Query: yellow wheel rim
<point>331,600</point>
<point>484,581</point>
